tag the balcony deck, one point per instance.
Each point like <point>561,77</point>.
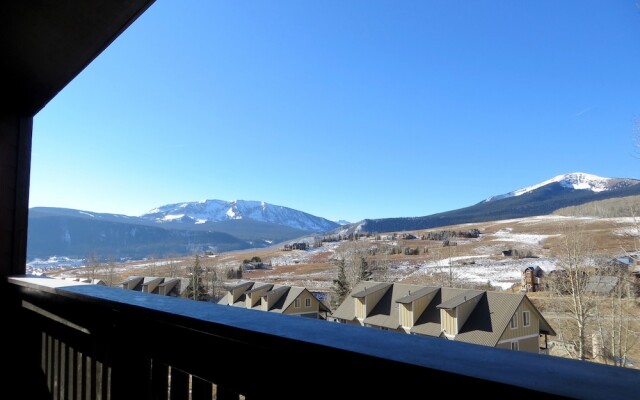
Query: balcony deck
<point>100,342</point>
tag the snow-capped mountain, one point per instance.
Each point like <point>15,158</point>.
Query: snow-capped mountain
<point>575,181</point>
<point>209,211</point>
<point>541,199</point>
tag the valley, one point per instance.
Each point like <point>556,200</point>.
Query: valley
<point>470,262</point>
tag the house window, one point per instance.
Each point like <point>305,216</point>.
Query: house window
<point>515,346</point>
<point>307,302</point>
<point>296,303</point>
<point>514,321</point>
<point>526,318</point>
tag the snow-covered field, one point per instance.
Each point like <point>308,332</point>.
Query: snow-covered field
<point>482,269</point>
<point>302,256</point>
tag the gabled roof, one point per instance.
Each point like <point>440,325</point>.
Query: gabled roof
<point>242,285</point>
<point>460,299</point>
<point>287,300</point>
<point>370,289</point>
<point>490,318</point>
<point>277,289</point>
<point>169,285</point>
<point>485,325</point>
<point>416,294</point>
<point>257,287</point>
<point>429,322</point>
<point>386,312</point>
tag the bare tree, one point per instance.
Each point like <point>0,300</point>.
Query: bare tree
<point>196,290</point>
<point>615,314</point>
<point>92,266</point>
<point>353,263</point>
<point>109,272</point>
<point>574,303</point>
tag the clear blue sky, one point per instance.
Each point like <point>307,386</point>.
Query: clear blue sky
<point>344,109</point>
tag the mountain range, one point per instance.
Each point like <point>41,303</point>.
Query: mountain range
<point>540,199</point>
<point>217,225</point>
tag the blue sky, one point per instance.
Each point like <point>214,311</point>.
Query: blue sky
<point>344,109</point>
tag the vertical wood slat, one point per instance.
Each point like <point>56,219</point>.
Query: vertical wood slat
<point>159,380</point>
<point>56,368</point>
<point>201,389</point>
<point>80,375</point>
<point>43,354</point>
<point>63,370</point>
<point>71,373</point>
<point>89,377</point>
<point>99,381</point>
<point>179,389</point>
<point>49,363</point>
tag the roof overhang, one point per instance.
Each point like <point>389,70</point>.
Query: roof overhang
<point>45,44</point>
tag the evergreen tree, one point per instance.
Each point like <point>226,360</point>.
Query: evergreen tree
<point>341,285</point>
<point>196,289</point>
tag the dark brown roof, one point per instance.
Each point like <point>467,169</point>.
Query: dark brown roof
<point>386,312</point>
<point>485,325</point>
<point>371,289</point>
<point>242,285</point>
<point>460,299</point>
<point>256,288</point>
<point>416,294</point>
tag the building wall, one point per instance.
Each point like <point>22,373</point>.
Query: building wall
<point>406,315</point>
<point>448,321</point>
<point>506,346</point>
<point>531,345</point>
<point>528,344</point>
<point>361,310</point>
<point>533,328</point>
<point>465,309</point>
<point>254,297</point>
<point>314,308</point>
<point>373,299</point>
<point>421,304</point>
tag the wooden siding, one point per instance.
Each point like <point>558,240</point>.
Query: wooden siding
<point>254,297</point>
<point>419,305</point>
<point>464,310</point>
<point>448,321</point>
<point>505,345</point>
<point>520,331</point>
<point>531,345</point>
<point>372,299</point>
<point>406,315</point>
<point>315,305</point>
<point>361,312</point>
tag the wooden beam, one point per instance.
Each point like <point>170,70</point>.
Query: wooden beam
<point>15,166</point>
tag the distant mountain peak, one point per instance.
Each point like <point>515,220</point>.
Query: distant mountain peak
<point>575,181</point>
<point>204,211</point>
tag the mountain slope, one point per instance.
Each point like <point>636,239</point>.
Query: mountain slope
<point>541,199</point>
<point>76,233</point>
<point>208,211</point>
<point>77,237</point>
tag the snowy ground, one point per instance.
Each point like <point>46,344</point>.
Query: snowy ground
<point>302,256</point>
<point>481,269</point>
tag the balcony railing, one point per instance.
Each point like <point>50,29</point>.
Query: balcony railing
<point>97,342</point>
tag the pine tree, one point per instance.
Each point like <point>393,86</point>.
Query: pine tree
<point>340,284</point>
<point>196,290</point>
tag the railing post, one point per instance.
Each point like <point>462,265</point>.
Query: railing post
<point>179,385</point>
<point>130,366</point>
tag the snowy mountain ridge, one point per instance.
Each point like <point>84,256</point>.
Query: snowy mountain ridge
<point>206,211</point>
<point>576,181</point>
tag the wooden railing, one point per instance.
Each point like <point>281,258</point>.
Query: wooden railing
<point>97,342</point>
